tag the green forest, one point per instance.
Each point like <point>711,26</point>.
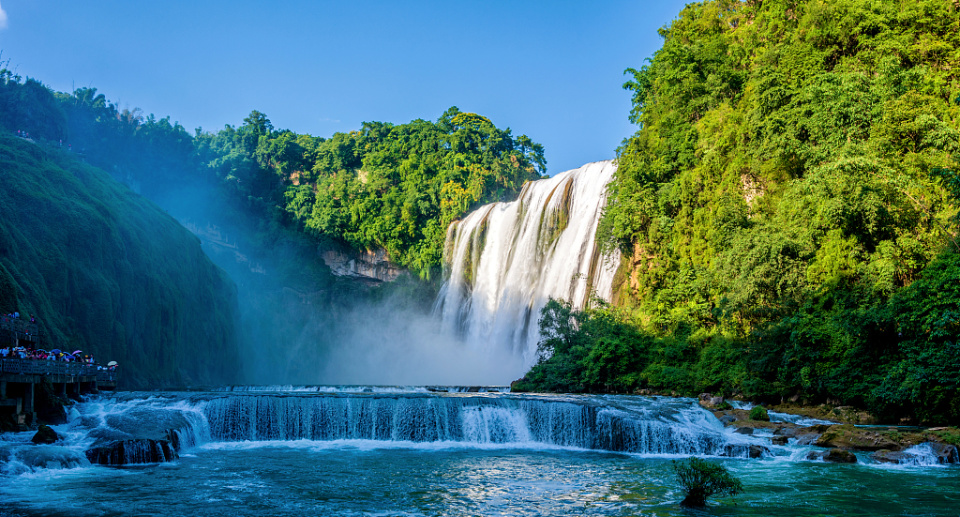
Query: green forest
<point>287,196</point>
<point>109,273</point>
<point>385,186</point>
<point>787,212</point>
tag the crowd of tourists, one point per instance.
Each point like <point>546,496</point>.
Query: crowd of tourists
<point>15,315</point>
<point>39,354</point>
<point>24,333</point>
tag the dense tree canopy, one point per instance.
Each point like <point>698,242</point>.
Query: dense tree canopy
<point>282,196</point>
<point>395,187</point>
<point>789,205</point>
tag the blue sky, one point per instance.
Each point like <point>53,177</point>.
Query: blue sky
<point>550,69</point>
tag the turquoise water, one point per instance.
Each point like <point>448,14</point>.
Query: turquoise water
<point>471,475</point>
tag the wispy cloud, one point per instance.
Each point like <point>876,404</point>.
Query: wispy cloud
<point>3,18</point>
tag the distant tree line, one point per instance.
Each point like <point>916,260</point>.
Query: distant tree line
<point>384,186</point>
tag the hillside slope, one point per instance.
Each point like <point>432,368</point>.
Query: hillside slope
<point>110,273</point>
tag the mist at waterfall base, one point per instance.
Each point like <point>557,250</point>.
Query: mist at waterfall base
<point>411,452</point>
<point>504,262</point>
<point>301,325</point>
<point>298,324</point>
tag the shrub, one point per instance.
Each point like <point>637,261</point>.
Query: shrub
<point>701,479</point>
<point>759,413</point>
<point>723,406</point>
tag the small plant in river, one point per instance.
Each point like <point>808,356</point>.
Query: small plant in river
<point>701,479</point>
<point>759,413</point>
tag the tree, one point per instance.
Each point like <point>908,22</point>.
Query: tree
<point>701,479</point>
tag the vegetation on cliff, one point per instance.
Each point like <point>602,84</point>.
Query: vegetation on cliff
<point>108,272</point>
<point>284,199</point>
<point>385,186</point>
<point>788,210</point>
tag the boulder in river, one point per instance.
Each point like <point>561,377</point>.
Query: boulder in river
<point>132,452</point>
<point>751,451</point>
<point>728,419</point>
<point>833,456</point>
<point>840,456</point>
<point>847,436</point>
<point>45,434</point>
<point>888,456</point>
<point>945,453</point>
<point>925,453</point>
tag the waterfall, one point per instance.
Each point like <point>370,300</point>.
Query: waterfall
<point>137,428</point>
<point>505,260</point>
<point>527,422</point>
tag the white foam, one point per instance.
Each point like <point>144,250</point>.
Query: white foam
<point>507,259</point>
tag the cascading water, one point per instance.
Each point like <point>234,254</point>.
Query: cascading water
<point>659,427</point>
<point>505,260</point>
<point>419,452</point>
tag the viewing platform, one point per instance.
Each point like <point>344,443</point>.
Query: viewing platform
<point>19,379</point>
<point>20,331</point>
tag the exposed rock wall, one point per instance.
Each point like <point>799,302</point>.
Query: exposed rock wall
<point>368,265</point>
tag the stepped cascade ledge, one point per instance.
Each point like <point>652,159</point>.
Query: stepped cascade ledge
<point>506,260</point>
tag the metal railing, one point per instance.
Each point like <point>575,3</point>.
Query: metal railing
<point>20,329</point>
<point>46,367</point>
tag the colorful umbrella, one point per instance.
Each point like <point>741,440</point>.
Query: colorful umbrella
<point>112,363</point>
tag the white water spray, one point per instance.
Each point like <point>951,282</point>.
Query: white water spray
<point>507,259</point>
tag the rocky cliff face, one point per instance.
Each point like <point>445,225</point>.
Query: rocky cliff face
<point>364,265</point>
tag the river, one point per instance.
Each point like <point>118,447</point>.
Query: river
<point>359,451</point>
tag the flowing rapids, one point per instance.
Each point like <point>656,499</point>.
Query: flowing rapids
<point>400,451</point>
<point>505,260</point>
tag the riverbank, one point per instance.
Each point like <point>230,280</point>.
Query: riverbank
<point>840,431</point>
<point>422,452</point>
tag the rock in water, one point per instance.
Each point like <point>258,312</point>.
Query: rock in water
<point>45,434</point>
<point>132,452</point>
<point>850,437</point>
<point>924,454</point>
<point>758,451</point>
<point>888,456</point>
<point>945,453</point>
<point>840,456</point>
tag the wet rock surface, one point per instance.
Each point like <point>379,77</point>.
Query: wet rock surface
<point>45,435</point>
<point>132,452</point>
<point>832,456</point>
<point>937,453</point>
<point>842,414</point>
<point>840,456</point>
<point>849,437</point>
<point>145,435</point>
<point>889,444</point>
<point>753,451</point>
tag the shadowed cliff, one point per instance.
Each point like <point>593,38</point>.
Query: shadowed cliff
<point>110,273</point>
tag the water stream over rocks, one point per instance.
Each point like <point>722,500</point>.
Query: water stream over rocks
<point>428,451</point>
